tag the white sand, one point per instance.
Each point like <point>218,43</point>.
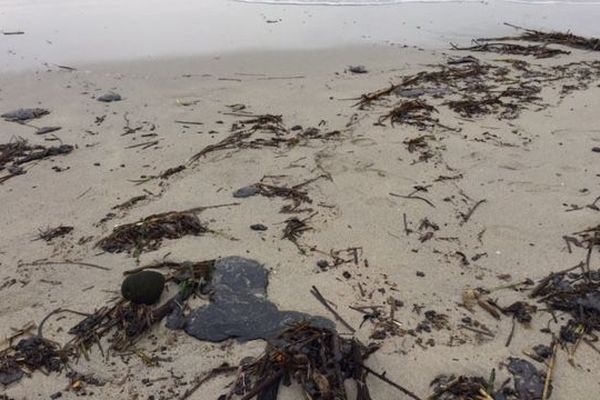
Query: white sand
<point>525,186</point>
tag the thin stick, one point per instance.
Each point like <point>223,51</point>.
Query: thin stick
<point>189,122</point>
<point>546,392</point>
<point>315,292</point>
<point>413,197</point>
<point>512,333</point>
<point>209,375</point>
<point>469,328</point>
<point>468,215</point>
<point>66,262</point>
<point>389,382</point>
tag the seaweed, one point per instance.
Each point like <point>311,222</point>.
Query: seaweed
<point>561,38</point>
<point>53,233</point>
<point>149,232</point>
<point>414,112</point>
<point>16,153</point>
<point>513,49</point>
<point>28,355</point>
<point>317,359</point>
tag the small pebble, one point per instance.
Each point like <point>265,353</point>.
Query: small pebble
<point>596,149</point>
<point>323,264</point>
<point>109,97</point>
<point>246,191</point>
<point>258,227</point>
<point>358,69</point>
<point>420,274</point>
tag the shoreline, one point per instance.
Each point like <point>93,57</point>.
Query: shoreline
<point>87,33</point>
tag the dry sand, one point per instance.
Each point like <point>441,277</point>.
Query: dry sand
<point>533,166</point>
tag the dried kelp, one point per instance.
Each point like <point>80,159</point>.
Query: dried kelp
<point>53,233</point>
<point>420,145</point>
<point>317,359</point>
<point>126,322</point>
<point>242,132</point>
<point>513,49</point>
<point>415,112</point>
<point>562,38</point>
<point>244,135</point>
<point>295,194</point>
<point>450,387</point>
<point>149,232</point>
<point>449,76</point>
<point>25,114</point>
<point>578,295</point>
<point>28,355</point>
<point>16,153</point>
<point>295,228</point>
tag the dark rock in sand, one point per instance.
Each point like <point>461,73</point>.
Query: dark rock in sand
<point>47,129</point>
<point>10,375</point>
<point>529,382</point>
<point>25,114</point>
<point>239,308</point>
<point>246,191</point>
<point>258,227</point>
<point>144,287</point>
<point>358,69</point>
<point>596,149</point>
<point>109,97</point>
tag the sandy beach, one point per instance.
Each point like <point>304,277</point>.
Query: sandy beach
<point>469,192</point>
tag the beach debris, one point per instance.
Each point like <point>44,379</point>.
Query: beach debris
<point>528,381</point>
<point>47,129</point>
<point>238,306</point>
<point>451,387</point>
<point>53,233</point>
<point>562,38</point>
<point>25,114</point>
<point>358,69</point>
<point>126,322</point>
<point>293,193</point>
<point>144,287</point>
<point>295,228</point>
<point>317,359</point>
<point>16,153</point>
<point>28,355</point>
<point>414,112</point>
<point>577,295</point>
<point>130,203</point>
<point>148,233</point>
<point>9,33</point>
<point>244,134</point>
<point>513,49</point>
<point>109,97</point>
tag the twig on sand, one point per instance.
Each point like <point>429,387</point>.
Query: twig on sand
<point>66,262</point>
<point>222,370</point>
<point>315,292</point>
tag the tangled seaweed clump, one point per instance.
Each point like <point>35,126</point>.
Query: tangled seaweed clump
<point>318,359</point>
<point>149,232</point>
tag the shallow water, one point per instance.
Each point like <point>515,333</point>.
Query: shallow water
<point>90,31</point>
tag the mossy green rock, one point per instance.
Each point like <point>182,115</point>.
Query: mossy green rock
<point>143,287</point>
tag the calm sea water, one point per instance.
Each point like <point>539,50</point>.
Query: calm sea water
<point>89,31</point>
<point>388,2</point>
